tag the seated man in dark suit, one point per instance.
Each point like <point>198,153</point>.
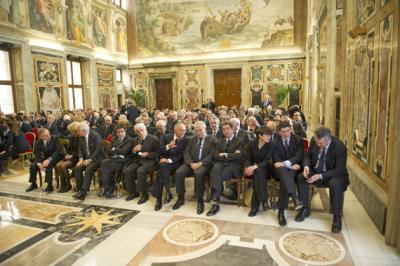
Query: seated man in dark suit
<point>228,158</point>
<point>144,161</point>
<point>197,163</point>
<point>47,154</point>
<point>324,166</point>
<point>171,157</point>
<point>215,130</point>
<point>287,157</point>
<point>90,153</point>
<point>107,128</point>
<point>52,126</point>
<point>118,152</point>
<point>238,131</point>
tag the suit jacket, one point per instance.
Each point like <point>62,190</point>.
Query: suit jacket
<point>104,130</point>
<point>150,145</point>
<point>96,152</point>
<point>170,125</point>
<point>233,157</point>
<point>206,152</point>
<point>133,113</point>
<point>296,150</point>
<point>159,136</point>
<point>244,135</point>
<point>53,129</point>
<point>123,148</point>
<point>335,159</point>
<point>219,134</point>
<point>175,154</point>
<point>262,157</point>
<point>51,150</point>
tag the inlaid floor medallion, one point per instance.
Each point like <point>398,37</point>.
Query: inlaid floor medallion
<point>312,248</point>
<point>190,232</point>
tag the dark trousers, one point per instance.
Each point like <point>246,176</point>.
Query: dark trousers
<point>33,171</point>
<point>260,192</point>
<point>336,186</point>
<point>109,168</point>
<point>138,170</point>
<point>83,181</point>
<point>199,175</point>
<point>220,173</point>
<point>163,178</point>
<point>287,179</point>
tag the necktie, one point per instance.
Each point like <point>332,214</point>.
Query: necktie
<point>214,133</point>
<point>321,162</point>
<point>227,145</point>
<point>286,148</point>
<point>87,147</point>
<point>197,151</point>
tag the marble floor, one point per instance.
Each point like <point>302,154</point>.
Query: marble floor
<point>53,229</point>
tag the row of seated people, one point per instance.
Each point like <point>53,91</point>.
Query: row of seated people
<point>231,156</point>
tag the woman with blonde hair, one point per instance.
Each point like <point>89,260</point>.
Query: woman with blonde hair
<point>70,159</point>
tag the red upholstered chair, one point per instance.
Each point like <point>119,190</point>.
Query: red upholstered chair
<point>35,131</point>
<point>30,137</point>
<point>306,144</point>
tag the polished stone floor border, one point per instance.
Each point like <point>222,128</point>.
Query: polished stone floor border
<point>67,229</point>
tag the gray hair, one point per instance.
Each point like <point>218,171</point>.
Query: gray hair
<point>323,132</point>
<point>200,124</point>
<point>235,120</point>
<point>84,127</point>
<point>161,123</point>
<point>140,126</point>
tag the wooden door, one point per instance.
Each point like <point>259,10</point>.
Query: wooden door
<point>164,94</point>
<point>227,84</point>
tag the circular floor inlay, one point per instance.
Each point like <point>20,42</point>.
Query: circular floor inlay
<point>190,232</point>
<point>312,248</point>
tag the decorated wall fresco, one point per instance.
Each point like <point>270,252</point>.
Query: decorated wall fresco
<point>81,23</point>
<point>182,27</point>
<point>49,73</point>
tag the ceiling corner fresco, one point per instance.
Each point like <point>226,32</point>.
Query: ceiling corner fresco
<point>179,27</point>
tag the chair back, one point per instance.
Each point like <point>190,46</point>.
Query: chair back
<point>30,137</point>
<point>305,144</point>
<point>35,131</point>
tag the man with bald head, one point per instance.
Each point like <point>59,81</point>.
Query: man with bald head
<point>47,155</point>
<point>171,157</point>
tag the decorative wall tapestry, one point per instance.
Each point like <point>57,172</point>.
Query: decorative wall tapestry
<point>50,99</point>
<point>384,87</point>
<point>364,73</point>
<point>47,71</point>
<point>48,75</point>
<point>105,76</point>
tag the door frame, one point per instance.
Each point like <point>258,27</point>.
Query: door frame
<point>243,66</point>
<point>168,75</point>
